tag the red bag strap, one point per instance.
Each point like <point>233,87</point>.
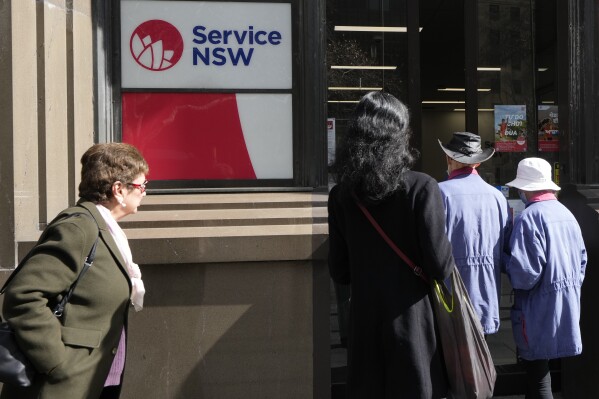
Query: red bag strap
<point>416,269</point>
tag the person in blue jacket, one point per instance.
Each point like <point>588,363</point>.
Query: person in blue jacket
<point>546,270</point>
<point>478,225</point>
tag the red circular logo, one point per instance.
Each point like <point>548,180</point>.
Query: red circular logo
<point>156,45</point>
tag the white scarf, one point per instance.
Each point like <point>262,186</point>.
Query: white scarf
<point>138,290</point>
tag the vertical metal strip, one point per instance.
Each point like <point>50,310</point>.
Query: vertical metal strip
<point>70,103</point>
<point>471,61</point>
<point>41,115</point>
<point>7,154</point>
<point>414,87</point>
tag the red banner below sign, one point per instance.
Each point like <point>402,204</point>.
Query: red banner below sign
<point>187,136</point>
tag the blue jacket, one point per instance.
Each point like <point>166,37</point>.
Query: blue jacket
<point>546,269</point>
<point>478,225</point>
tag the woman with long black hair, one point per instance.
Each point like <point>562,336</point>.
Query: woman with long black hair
<point>393,350</point>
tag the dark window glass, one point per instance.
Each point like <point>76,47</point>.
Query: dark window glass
<point>517,86</point>
<point>516,63</point>
<point>515,37</point>
<point>494,37</point>
<point>515,14</point>
<point>493,12</point>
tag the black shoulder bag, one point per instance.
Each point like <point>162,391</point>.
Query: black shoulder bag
<point>15,368</point>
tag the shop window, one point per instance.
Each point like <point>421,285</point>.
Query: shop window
<point>366,51</point>
<point>208,91</point>
<point>511,90</point>
<point>206,88</point>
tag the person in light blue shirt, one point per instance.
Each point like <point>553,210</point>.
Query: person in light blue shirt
<point>478,225</point>
<point>546,269</point>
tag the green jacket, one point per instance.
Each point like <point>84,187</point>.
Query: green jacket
<point>73,355</point>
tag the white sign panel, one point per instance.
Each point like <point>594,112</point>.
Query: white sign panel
<point>267,128</point>
<point>205,45</point>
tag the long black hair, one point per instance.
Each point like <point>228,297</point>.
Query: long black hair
<point>375,154</point>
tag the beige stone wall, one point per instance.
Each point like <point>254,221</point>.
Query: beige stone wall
<point>226,330</point>
<point>237,297</point>
<point>47,109</point>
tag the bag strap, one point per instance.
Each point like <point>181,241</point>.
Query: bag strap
<point>416,269</point>
<point>89,260</point>
<point>443,293</point>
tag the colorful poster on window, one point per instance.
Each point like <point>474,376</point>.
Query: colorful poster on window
<point>510,128</point>
<point>548,128</point>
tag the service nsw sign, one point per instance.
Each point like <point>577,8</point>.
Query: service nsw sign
<point>205,45</point>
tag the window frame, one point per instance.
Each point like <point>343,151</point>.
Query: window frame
<point>308,116</point>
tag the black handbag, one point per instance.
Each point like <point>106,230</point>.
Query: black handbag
<point>469,364</point>
<point>470,369</point>
<point>15,368</point>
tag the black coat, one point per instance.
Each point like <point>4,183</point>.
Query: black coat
<point>392,349</point>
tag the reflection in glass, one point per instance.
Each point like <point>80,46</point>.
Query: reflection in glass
<point>366,50</point>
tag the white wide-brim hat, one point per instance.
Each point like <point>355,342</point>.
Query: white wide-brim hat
<point>533,174</point>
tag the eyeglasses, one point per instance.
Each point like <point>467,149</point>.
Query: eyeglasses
<point>142,186</point>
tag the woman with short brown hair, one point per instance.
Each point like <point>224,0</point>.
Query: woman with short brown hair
<point>81,355</point>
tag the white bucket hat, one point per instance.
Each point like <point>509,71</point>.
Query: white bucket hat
<point>533,174</point>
